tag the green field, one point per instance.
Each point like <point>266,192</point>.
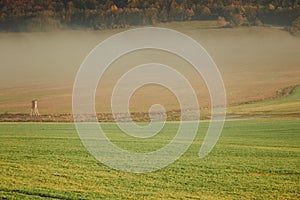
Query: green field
<point>254,159</point>
<point>283,106</point>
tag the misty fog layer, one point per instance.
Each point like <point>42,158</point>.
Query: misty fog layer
<point>257,60</point>
<point>55,57</point>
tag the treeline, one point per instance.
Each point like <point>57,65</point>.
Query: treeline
<point>43,15</point>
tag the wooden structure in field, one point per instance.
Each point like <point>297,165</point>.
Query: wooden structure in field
<point>34,108</point>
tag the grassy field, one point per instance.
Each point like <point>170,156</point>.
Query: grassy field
<point>283,106</point>
<point>252,160</point>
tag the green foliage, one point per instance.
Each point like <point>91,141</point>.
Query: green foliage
<point>252,160</point>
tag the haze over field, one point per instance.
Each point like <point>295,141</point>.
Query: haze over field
<point>255,62</point>
<point>141,134</point>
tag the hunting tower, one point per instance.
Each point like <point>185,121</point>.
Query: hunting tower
<point>34,108</point>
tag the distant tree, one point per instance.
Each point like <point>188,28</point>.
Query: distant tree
<point>121,3</point>
<point>222,22</point>
<point>201,12</point>
<point>295,28</point>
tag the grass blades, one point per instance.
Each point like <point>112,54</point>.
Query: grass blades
<point>252,160</point>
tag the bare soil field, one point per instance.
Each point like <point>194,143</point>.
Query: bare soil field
<point>256,64</point>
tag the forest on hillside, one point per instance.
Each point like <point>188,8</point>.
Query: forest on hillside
<point>44,15</point>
